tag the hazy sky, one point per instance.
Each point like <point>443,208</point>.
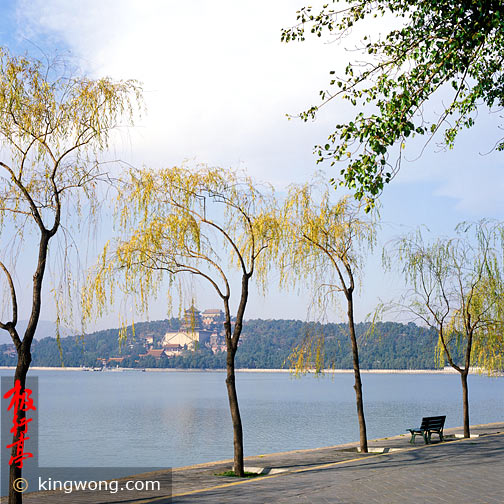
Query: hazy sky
<point>218,84</point>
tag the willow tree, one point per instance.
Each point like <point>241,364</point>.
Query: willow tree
<point>457,288</point>
<point>203,223</point>
<point>51,127</point>
<point>446,54</point>
<point>325,249</point>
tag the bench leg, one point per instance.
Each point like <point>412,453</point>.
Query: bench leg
<point>440,434</point>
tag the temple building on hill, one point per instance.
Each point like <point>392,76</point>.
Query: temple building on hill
<point>192,332</point>
<point>183,338</point>
<point>192,320</point>
<point>172,349</point>
<point>213,319</point>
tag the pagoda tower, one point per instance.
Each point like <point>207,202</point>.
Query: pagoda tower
<point>192,320</point>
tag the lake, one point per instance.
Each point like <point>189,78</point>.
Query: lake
<point>179,418</point>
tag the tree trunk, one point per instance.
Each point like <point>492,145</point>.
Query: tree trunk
<point>465,401</point>
<point>24,350</point>
<point>235,414</point>
<point>24,359</point>
<point>358,383</point>
<point>232,346</point>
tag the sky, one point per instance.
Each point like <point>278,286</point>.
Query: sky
<point>218,85</point>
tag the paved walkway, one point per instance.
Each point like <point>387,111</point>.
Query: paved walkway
<point>458,471</point>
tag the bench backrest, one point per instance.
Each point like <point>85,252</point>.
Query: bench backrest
<point>433,422</point>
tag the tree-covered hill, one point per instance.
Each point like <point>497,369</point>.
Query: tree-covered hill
<point>268,343</point>
<point>265,344</point>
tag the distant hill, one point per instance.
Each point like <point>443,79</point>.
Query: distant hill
<point>45,329</point>
<point>264,344</point>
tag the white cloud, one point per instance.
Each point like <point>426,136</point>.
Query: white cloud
<point>218,83</point>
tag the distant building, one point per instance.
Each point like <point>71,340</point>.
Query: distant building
<point>11,351</point>
<point>192,320</point>
<point>171,350</point>
<point>191,334</point>
<point>191,339</point>
<point>217,342</point>
<point>146,339</point>
<point>115,360</point>
<point>156,353</point>
<point>213,318</point>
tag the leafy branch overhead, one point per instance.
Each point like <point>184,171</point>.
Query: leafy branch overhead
<point>435,46</point>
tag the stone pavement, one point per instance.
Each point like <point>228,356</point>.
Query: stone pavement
<point>458,471</point>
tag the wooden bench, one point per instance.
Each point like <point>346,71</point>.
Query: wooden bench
<point>429,425</point>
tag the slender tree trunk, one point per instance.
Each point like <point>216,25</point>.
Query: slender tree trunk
<point>465,401</point>
<point>24,359</point>
<point>24,350</point>
<point>232,339</point>
<point>235,414</point>
<point>463,377</point>
<point>358,382</point>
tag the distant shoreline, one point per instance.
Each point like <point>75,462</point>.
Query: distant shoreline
<point>244,370</point>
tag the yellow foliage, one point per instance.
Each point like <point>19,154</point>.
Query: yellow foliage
<point>308,356</point>
<point>458,289</point>
<point>323,248</point>
<point>52,127</point>
<point>179,220</point>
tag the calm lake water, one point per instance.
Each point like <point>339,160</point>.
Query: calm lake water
<point>180,418</point>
